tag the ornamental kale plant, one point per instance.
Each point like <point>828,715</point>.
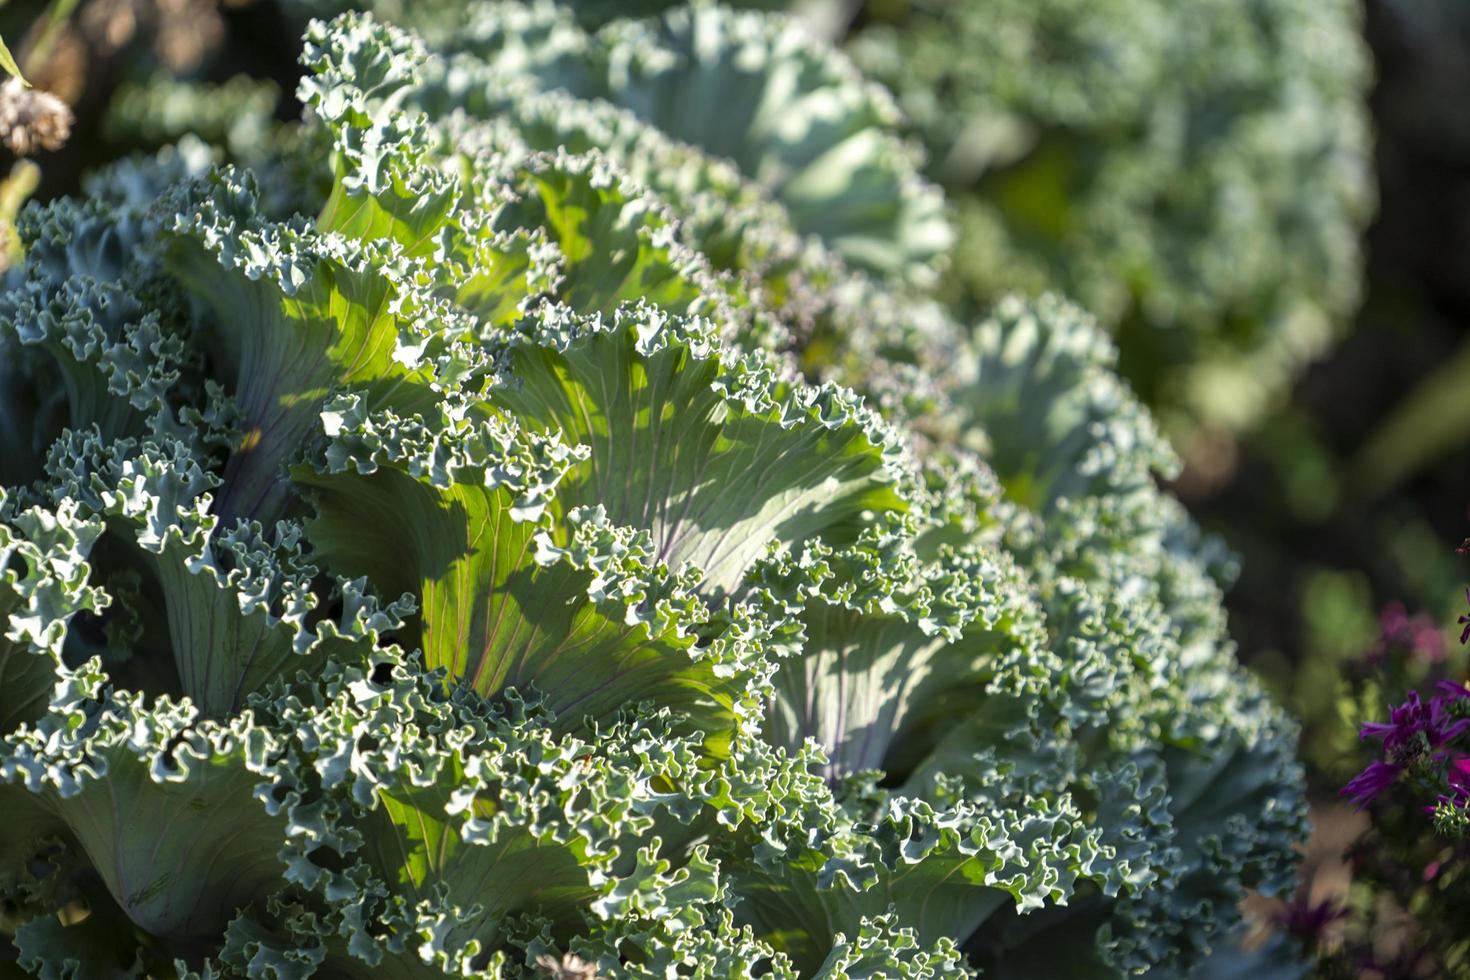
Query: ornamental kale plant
<point>424,554</point>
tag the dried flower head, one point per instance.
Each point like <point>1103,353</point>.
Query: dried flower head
<point>32,120</point>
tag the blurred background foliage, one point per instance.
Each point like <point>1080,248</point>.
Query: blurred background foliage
<point>1194,172</point>
<point>1337,505</point>
<point>1268,201</point>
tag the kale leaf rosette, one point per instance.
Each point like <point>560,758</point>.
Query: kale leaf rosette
<point>425,554</point>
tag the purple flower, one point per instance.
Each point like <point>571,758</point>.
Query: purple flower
<point>1413,727</point>
<point>1366,786</point>
<point>1409,719</point>
<point>1465,621</point>
<point>1452,690</point>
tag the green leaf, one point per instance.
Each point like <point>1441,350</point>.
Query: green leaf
<point>7,61</point>
<point>241,605</point>
<point>581,610</point>
<point>106,767</point>
<point>295,313</point>
<point>1428,424</point>
<point>470,819</point>
<point>99,947</point>
<point>44,584</point>
<point>714,453</point>
<point>895,648</point>
<point>794,115</point>
<point>1039,403</point>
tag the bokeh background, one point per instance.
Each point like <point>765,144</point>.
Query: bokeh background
<point>1267,200</point>
<point>1351,494</point>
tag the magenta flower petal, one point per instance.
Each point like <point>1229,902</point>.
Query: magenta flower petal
<point>1366,786</point>
<point>1452,689</point>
